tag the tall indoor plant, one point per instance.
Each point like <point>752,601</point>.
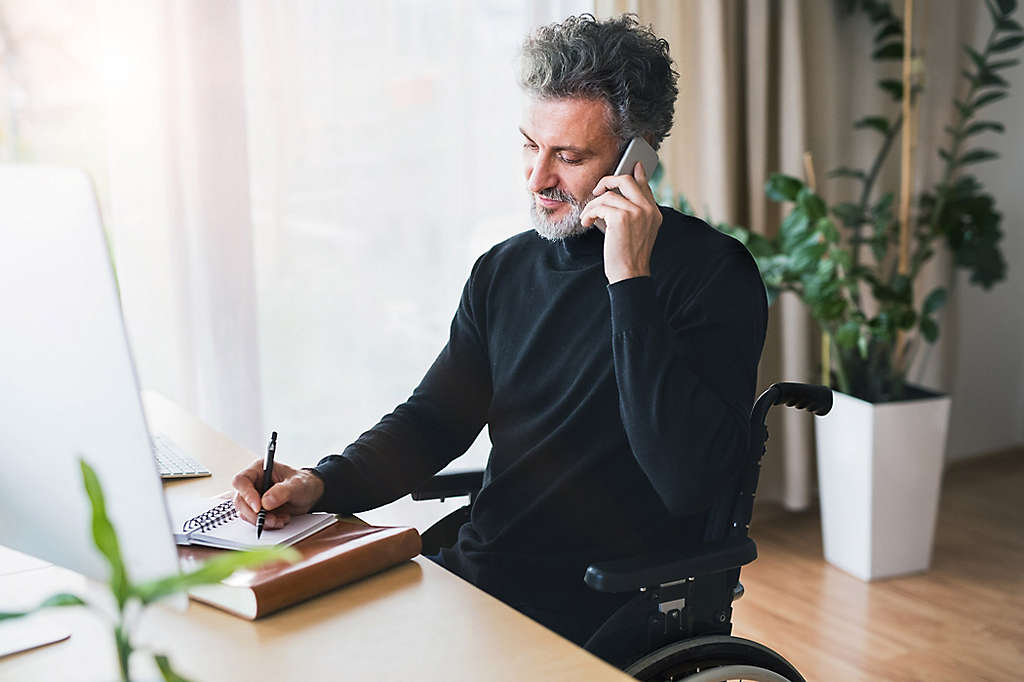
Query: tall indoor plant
<point>857,272</point>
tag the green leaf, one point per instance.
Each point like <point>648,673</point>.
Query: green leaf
<point>976,156</point>
<point>879,123</point>
<point>844,172</point>
<point>213,571</point>
<point>805,257</point>
<point>981,126</point>
<point>59,599</point>
<point>811,204</point>
<point>1004,64</point>
<point>793,231</point>
<point>103,534</point>
<point>1007,6</point>
<point>846,335</point>
<point>893,28</point>
<point>862,343</point>
<point>964,109</point>
<point>893,87</point>
<point>849,213</point>
<point>759,246</point>
<point>842,257</point>
<point>929,329</point>
<point>988,98</point>
<point>828,229</point>
<point>878,12</point>
<point>901,287</point>
<point>169,674</point>
<point>890,51</point>
<point>1007,44</point>
<point>989,79</point>
<point>945,155</point>
<point>993,10</point>
<point>905,317</point>
<point>883,205</point>
<point>782,187</point>
<point>935,300</point>
<point>1007,24</point>
<point>976,57</point>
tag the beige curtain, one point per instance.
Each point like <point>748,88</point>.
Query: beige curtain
<point>760,83</point>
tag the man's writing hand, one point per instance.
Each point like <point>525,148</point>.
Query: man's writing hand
<point>631,220</point>
<point>294,491</point>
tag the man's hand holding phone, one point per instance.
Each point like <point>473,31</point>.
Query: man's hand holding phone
<point>631,217</point>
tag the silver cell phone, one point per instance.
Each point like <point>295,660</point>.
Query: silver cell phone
<point>636,150</point>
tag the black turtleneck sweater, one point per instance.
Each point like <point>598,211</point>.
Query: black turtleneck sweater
<point>615,412</point>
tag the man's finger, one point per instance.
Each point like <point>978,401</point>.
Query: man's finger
<point>244,510</point>
<point>627,186</point>
<point>243,483</point>
<point>640,173</point>
<point>276,520</point>
<point>282,493</point>
<point>278,494</point>
<point>603,207</point>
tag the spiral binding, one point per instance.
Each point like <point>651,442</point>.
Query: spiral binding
<point>218,516</point>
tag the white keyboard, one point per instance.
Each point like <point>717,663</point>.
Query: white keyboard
<point>174,463</point>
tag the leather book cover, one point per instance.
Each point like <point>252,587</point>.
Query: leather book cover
<point>341,553</point>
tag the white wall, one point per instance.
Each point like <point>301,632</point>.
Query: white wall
<point>987,363</point>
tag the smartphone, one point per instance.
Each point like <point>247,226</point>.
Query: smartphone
<point>636,150</point>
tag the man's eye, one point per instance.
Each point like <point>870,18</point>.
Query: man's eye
<point>570,161</point>
<point>531,147</point>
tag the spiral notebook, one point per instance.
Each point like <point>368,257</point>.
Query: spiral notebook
<point>215,523</point>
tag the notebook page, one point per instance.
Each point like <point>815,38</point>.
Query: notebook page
<point>240,534</point>
<point>234,532</point>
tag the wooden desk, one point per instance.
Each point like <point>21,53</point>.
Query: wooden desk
<point>413,622</point>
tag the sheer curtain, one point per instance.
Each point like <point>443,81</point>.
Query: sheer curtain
<point>294,191</point>
<point>384,159</point>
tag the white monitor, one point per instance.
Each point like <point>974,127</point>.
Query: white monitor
<point>68,387</point>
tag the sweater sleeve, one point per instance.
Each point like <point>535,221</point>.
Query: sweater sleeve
<point>421,436</point>
<point>686,377</point>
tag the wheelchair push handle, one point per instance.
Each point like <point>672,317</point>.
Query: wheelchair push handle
<point>810,397</point>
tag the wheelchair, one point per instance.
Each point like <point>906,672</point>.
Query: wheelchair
<point>678,624</point>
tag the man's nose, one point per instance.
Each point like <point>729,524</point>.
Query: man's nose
<point>541,175</point>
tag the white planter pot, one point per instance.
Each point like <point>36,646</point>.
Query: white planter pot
<point>879,470</point>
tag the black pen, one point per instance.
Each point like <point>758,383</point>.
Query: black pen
<point>268,478</point>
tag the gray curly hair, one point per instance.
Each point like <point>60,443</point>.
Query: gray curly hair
<point>616,60</point>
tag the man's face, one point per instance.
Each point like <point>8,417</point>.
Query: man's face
<point>567,147</point>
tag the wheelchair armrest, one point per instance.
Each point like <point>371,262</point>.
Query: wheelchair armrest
<point>450,485</point>
<point>629,575</point>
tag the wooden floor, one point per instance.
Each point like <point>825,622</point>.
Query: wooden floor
<point>963,620</point>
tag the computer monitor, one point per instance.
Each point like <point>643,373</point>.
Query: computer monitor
<point>68,386</point>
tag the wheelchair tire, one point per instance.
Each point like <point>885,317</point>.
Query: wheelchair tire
<point>731,673</point>
<point>714,655</point>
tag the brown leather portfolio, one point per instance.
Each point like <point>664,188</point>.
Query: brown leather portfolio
<point>341,553</point>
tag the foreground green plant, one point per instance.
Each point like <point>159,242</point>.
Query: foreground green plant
<point>132,598</point>
<point>848,278</point>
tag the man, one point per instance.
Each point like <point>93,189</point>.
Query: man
<point>614,371</point>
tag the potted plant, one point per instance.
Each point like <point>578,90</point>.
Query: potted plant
<point>130,598</point>
<point>881,451</point>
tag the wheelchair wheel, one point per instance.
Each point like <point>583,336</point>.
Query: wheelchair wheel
<point>714,659</point>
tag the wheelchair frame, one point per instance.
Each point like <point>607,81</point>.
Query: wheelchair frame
<point>686,596</point>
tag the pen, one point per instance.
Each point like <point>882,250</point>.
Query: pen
<point>268,477</point>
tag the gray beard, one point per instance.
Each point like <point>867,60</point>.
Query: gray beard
<point>569,226</point>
